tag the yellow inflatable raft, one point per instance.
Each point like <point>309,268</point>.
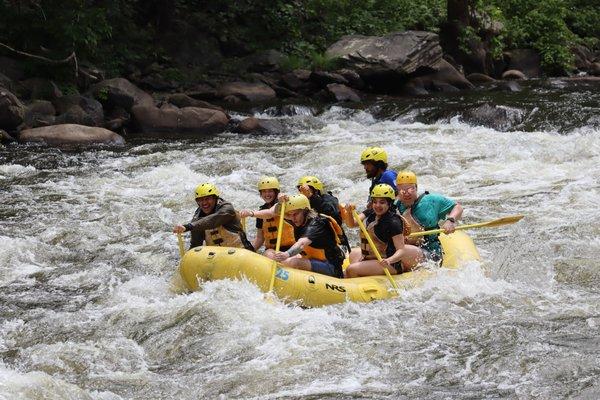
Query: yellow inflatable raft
<point>308,288</point>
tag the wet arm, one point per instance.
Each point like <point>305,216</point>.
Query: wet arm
<point>224,215</point>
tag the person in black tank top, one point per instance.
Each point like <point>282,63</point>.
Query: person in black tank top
<point>387,230</point>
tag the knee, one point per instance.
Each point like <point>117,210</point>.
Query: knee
<point>351,271</point>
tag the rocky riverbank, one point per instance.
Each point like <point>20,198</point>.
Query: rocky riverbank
<point>402,64</point>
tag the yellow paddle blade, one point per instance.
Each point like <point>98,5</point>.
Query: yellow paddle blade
<point>181,246</point>
<point>488,224</point>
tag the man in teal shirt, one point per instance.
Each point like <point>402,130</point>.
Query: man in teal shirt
<point>424,213</point>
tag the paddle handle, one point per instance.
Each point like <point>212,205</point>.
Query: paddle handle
<point>496,222</point>
<point>277,247</point>
<point>366,233</point>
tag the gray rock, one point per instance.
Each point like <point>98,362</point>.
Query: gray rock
<point>445,79</point>
<point>12,111</point>
<point>202,91</point>
<point>182,100</point>
<point>298,81</point>
<point>117,119</point>
<point>324,78</point>
<point>39,113</point>
<point>415,87</point>
<point>260,126</point>
<point>119,92</point>
<point>268,60</point>
<point>479,79</point>
<point>174,120</point>
<point>40,89</point>
<point>492,116</point>
<point>70,134</point>
<point>528,61</point>
<point>513,74</point>
<point>341,92</point>
<point>353,78</point>
<point>253,92</point>
<point>76,115</point>
<point>401,52</point>
<point>5,137</point>
<point>92,107</point>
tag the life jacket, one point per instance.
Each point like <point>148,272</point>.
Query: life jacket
<point>365,248</point>
<point>269,229</point>
<point>381,246</point>
<point>221,236</point>
<point>319,254</point>
<point>415,225</point>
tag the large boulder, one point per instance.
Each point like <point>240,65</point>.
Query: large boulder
<point>260,126</point>
<point>268,60</point>
<point>500,118</point>
<point>299,81</point>
<point>527,61</point>
<point>253,92</point>
<point>119,92</point>
<point>324,78</point>
<point>445,79</point>
<point>70,134</point>
<point>91,107</point>
<point>339,92</point>
<point>479,79</point>
<point>39,113</point>
<point>400,53</point>
<point>192,120</point>
<point>182,100</point>
<point>40,89</point>
<point>12,111</point>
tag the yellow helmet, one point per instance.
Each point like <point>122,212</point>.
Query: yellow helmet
<point>373,154</point>
<point>297,202</point>
<point>268,182</point>
<point>206,189</point>
<point>311,181</point>
<point>383,190</point>
<point>405,177</point>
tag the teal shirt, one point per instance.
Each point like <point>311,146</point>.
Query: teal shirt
<point>428,212</point>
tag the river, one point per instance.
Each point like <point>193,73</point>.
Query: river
<point>90,309</point>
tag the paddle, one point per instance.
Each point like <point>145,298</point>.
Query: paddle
<point>181,246</point>
<point>277,246</point>
<point>489,224</point>
<point>366,233</point>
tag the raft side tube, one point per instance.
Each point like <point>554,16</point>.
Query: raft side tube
<point>309,288</point>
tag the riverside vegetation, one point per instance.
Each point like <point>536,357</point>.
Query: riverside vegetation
<point>58,58</point>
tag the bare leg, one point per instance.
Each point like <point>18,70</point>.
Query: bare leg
<point>298,263</point>
<point>411,257</point>
<point>355,255</point>
<point>367,268</point>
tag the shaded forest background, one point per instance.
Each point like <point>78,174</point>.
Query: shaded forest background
<point>193,38</point>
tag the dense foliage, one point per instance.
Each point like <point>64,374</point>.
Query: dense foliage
<point>115,34</point>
